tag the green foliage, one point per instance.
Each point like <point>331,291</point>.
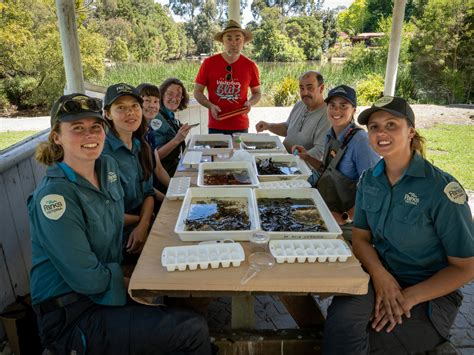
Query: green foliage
<point>286,93</point>
<point>369,89</point>
<point>353,19</point>
<point>306,32</point>
<point>118,52</point>
<point>31,55</point>
<point>445,65</point>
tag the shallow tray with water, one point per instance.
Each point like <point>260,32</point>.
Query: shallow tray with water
<point>210,144</point>
<point>227,177</point>
<point>270,167</point>
<point>290,214</point>
<point>218,214</point>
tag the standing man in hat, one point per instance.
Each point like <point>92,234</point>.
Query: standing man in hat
<point>228,77</point>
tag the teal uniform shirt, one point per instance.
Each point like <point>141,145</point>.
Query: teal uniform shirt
<point>76,235</point>
<point>416,223</point>
<point>161,129</point>
<point>131,173</point>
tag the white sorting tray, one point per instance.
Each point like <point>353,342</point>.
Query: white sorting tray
<point>226,166</point>
<point>333,228</point>
<point>178,187</point>
<point>247,141</point>
<point>284,184</point>
<point>202,255</point>
<point>195,236</point>
<point>289,159</point>
<point>196,138</point>
<point>192,159</point>
<point>310,250</point>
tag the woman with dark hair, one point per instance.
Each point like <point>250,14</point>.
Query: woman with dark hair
<point>76,218</point>
<point>168,133</point>
<point>413,234</point>
<point>126,143</point>
<point>151,106</point>
<point>347,154</point>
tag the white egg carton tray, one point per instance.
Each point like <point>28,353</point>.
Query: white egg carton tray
<point>310,250</point>
<point>177,188</point>
<point>284,184</point>
<point>288,159</point>
<point>195,138</point>
<point>202,255</point>
<point>246,141</point>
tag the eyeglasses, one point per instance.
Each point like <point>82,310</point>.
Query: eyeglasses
<point>229,72</point>
<point>79,104</point>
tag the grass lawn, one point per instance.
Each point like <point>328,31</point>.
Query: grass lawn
<point>450,148</point>
<point>11,137</point>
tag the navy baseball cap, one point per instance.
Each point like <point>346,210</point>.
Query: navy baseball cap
<point>121,89</point>
<point>73,107</point>
<point>343,91</point>
<point>391,104</point>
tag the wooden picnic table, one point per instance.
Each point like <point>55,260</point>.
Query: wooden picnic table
<point>151,279</point>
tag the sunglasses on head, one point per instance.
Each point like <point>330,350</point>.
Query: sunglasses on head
<point>80,104</point>
<point>229,72</point>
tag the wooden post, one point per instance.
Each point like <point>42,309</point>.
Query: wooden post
<point>70,45</point>
<point>394,48</point>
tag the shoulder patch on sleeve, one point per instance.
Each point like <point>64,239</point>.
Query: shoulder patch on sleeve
<point>455,193</point>
<point>155,124</point>
<point>53,206</point>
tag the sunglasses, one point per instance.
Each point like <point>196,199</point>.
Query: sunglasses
<point>229,72</point>
<point>80,104</point>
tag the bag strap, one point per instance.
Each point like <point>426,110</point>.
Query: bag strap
<point>349,135</point>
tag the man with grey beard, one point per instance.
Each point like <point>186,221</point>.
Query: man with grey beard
<point>228,76</point>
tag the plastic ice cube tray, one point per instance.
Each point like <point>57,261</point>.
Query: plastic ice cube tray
<point>192,159</point>
<point>178,187</point>
<point>287,184</point>
<point>310,250</point>
<point>202,255</point>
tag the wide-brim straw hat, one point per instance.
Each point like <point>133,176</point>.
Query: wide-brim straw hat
<point>233,26</point>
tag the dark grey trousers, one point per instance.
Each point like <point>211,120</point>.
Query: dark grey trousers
<point>87,328</point>
<point>347,328</point>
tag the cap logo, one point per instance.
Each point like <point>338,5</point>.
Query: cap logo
<point>123,88</point>
<point>53,206</point>
<point>455,193</point>
<point>383,101</point>
<point>340,90</point>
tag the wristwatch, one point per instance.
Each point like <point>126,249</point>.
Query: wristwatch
<point>346,218</point>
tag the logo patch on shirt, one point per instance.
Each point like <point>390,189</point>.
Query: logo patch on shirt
<point>155,124</point>
<point>455,193</point>
<point>53,206</point>
<point>111,176</point>
<point>411,198</point>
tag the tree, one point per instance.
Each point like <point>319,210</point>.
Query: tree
<point>306,32</point>
<point>353,19</point>
<point>445,65</point>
